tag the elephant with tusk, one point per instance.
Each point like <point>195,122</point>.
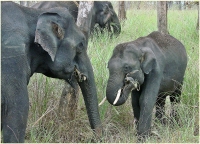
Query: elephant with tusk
<point>150,68</point>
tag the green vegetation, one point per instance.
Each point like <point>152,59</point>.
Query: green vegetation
<point>44,124</point>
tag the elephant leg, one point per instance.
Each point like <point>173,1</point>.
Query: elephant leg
<point>147,101</point>
<point>175,99</point>
<point>160,108</point>
<point>136,107</point>
<point>15,119</point>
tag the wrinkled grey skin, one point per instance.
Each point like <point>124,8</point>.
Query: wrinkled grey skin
<point>41,41</point>
<point>103,13</point>
<point>157,62</point>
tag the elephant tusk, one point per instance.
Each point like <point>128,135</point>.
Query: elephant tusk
<point>118,95</point>
<point>84,78</point>
<point>102,101</point>
<point>138,87</point>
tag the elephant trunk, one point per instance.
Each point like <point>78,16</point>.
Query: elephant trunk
<point>114,90</point>
<point>115,24</point>
<point>89,92</point>
<point>117,92</point>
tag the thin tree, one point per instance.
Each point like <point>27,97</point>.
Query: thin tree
<point>24,3</point>
<point>162,17</point>
<point>85,17</point>
<point>197,26</point>
<point>138,5</point>
<point>27,3</point>
<point>122,11</point>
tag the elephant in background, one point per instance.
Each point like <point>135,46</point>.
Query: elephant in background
<point>103,13</point>
<point>150,68</point>
<point>40,41</point>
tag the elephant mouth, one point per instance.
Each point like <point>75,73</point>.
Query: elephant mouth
<point>129,85</point>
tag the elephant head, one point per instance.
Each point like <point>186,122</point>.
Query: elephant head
<point>65,55</point>
<point>105,15</point>
<point>127,69</point>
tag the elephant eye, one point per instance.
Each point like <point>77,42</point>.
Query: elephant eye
<point>127,68</point>
<point>80,47</point>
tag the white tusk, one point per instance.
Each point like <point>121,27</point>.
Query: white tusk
<point>135,85</point>
<point>84,78</point>
<point>102,101</point>
<point>118,95</point>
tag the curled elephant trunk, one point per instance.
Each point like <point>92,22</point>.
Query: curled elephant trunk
<point>124,92</point>
<point>119,95</point>
<point>117,92</point>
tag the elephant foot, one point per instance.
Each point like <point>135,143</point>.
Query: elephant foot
<point>163,121</point>
<point>174,119</point>
<point>173,122</point>
<point>98,131</point>
<point>155,134</point>
<point>142,137</point>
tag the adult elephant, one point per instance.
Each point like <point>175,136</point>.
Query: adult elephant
<point>41,41</point>
<point>103,13</point>
<point>150,68</point>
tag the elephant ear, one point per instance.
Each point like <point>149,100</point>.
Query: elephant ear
<point>148,60</point>
<point>49,32</point>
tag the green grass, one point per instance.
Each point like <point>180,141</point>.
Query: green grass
<point>45,125</point>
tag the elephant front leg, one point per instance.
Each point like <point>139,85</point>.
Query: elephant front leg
<point>135,95</point>
<point>144,123</point>
<point>15,119</point>
<point>147,101</point>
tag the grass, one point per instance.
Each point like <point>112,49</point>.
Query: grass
<point>45,125</point>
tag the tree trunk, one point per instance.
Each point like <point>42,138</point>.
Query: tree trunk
<point>197,27</point>
<point>122,11</point>
<point>169,4</point>
<point>85,17</point>
<point>27,3</point>
<point>184,5</point>
<point>138,5</point>
<point>179,5</point>
<point>162,17</point>
<point>69,98</point>
<point>23,3</point>
<point>68,103</point>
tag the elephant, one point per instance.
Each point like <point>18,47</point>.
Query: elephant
<point>150,68</point>
<point>41,41</point>
<point>103,13</point>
